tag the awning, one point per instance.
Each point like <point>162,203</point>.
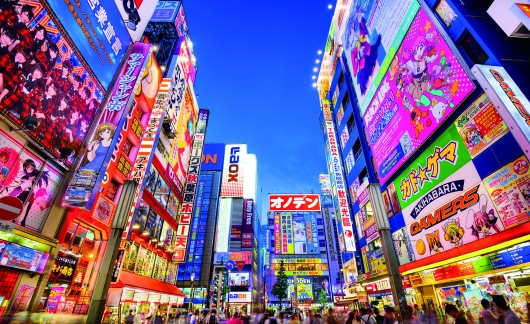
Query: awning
<point>132,280</point>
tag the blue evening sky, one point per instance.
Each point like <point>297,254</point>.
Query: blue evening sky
<point>256,59</point>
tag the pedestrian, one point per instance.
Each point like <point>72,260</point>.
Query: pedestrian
<point>367,318</point>
<point>318,319</point>
<point>271,319</point>
<point>378,317</point>
<point>408,316</point>
<point>464,311</point>
<point>235,319</point>
<point>309,317</point>
<point>129,319</point>
<point>331,319</point>
<point>171,319</point>
<point>486,316</point>
<point>351,318</point>
<point>391,317</point>
<point>194,317</point>
<point>453,311</point>
<point>294,319</point>
<point>507,315</point>
<point>212,318</point>
<point>418,312</point>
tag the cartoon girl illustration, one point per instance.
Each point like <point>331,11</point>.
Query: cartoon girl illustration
<point>21,186</point>
<point>184,153</point>
<point>98,148</point>
<point>517,203</point>
<point>363,53</point>
<point>433,240</point>
<point>482,221</point>
<point>453,233</point>
<point>472,136</point>
<point>416,116</point>
<point>4,158</point>
<point>398,241</point>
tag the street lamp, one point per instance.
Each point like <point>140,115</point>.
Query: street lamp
<point>192,277</point>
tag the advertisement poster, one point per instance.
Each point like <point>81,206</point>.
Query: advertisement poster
<point>277,234</point>
<point>376,262</point>
<point>403,246</point>
<point>480,125</point>
<point>18,168</point>
<point>386,201</point>
<point>43,47</point>
<point>422,87</point>
<point>446,13</point>
<point>458,211</point>
<point>63,268</point>
<point>22,299</point>
<point>373,32</point>
<point>321,284</point>
<point>21,257</point>
<point>239,279</point>
<point>287,233</point>
<point>304,288</point>
<point>437,162</point>
<point>53,299</point>
<point>509,188</point>
<point>300,239</point>
<point>136,15</point>
<point>312,234</point>
<point>394,200</point>
<point>235,233</point>
<point>325,184</point>
<point>233,170</point>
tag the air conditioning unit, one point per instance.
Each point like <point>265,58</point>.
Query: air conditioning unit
<point>510,15</point>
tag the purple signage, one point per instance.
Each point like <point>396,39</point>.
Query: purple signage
<point>246,229</point>
<point>424,84</point>
<point>83,189</point>
<point>53,299</point>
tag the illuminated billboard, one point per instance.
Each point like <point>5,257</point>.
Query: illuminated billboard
<point>136,14</point>
<point>241,279</point>
<point>98,31</point>
<point>233,170</point>
<point>87,178</point>
<point>54,85</point>
<point>247,232</point>
<point>294,202</point>
<point>287,233</point>
<point>424,94</point>
<point>325,184</point>
<point>277,234</point>
<point>372,35</point>
<point>304,288</point>
<point>213,157</point>
<point>340,189</point>
<point>166,11</point>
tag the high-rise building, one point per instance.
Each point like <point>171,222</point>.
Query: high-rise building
<point>424,119</point>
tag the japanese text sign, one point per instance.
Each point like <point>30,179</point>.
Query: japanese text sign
<point>294,202</point>
<point>341,192</point>
<point>233,170</point>
<point>98,31</point>
<point>277,235</point>
<point>63,268</point>
<point>246,228</point>
<point>287,233</point>
<point>423,86</point>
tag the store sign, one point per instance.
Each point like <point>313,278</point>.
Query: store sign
<point>176,96</point>
<point>166,11</point>
<point>188,58</point>
<point>277,234</point>
<point>117,265</point>
<point>98,31</point>
<point>63,269</point>
<point>501,260</point>
<point>83,188</point>
<point>192,180</point>
<point>146,152</point>
<point>382,28</point>
<point>330,231</point>
<point>294,202</point>
<point>327,110</point>
<point>213,157</point>
<point>235,233</point>
<point>287,233</point>
<point>54,298</point>
<point>363,197</point>
<point>140,297</point>
<point>240,297</point>
<point>24,294</point>
<point>510,101</point>
<point>246,229</point>
<point>304,288</point>
<point>233,171</point>
<point>454,218</point>
<point>509,188</point>
<point>245,257</point>
<point>298,260</point>
<point>21,257</point>
<point>325,184</point>
<point>392,140</point>
<point>341,193</point>
<point>480,125</point>
<point>446,273</point>
<point>437,162</point>
<point>127,295</point>
<point>378,286</point>
<point>304,273</point>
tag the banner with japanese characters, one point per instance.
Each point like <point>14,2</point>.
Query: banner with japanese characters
<point>294,202</point>
<point>509,188</point>
<point>190,188</point>
<point>63,268</point>
<point>247,232</point>
<point>341,191</point>
<point>287,233</point>
<point>277,234</point>
<point>437,162</point>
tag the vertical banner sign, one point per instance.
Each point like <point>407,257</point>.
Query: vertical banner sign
<point>312,234</point>
<point>287,233</point>
<point>329,234</point>
<point>326,109</point>
<point>233,171</point>
<point>277,235</point>
<point>340,189</point>
<point>146,152</point>
<point>190,188</point>
<point>83,189</point>
<point>246,229</point>
<point>176,96</point>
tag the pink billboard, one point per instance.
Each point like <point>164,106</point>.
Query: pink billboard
<point>277,235</point>
<point>423,86</point>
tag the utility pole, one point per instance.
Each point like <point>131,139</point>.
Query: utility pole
<point>387,242</point>
<point>99,297</point>
<point>295,292</point>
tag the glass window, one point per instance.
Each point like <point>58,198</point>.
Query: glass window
<point>200,236</point>
<point>319,221</point>
<point>320,232</point>
<point>349,161</point>
<point>339,115</point>
<point>472,48</point>
<point>322,244</point>
<point>200,243</point>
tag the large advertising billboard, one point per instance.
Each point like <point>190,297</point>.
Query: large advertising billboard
<point>294,202</point>
<point>213,157</point>
<point>403,246</point>
<point>341,192</point>
<point>287,233</point>
<point>325,184</point>
<point>233,170</point>
<point>304,288</point>
<point>422,87</point>
<point>82,190</point>
<point>247,229</point>
<point>98,31</point>
<point>277,234</point>
<point>43,77</point>
<point>372,34</point>
<point>136,14</point>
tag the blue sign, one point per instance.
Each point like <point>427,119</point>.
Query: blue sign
<point>165,11</point>
<point>213,157</point>
<point>501,260</point>
<point>230,265</point>
<point>520,254</point>
<point>98,32</point>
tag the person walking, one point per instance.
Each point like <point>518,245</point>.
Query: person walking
<point>129,319</point>
<point>507,315</point>
<point>294,319</point>
<point>378,317</point>
<point>452,311</point>
<point>331,318</point>
<point>309,317</point>
<point>408,316</point>
<point>391,317</point>
<point>486,316</point>
<point>367,318</point>
<point>212,318</point>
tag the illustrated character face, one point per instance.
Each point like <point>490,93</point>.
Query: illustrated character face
<point>4,158</point>
<point>37,74</point>
<point>53,54</point>
<point>481,224</point>
<point>75,115</point>
<point>105,135</point>
<point>19,58</point>
<point>51,91</point>
<point>28,168</point>
<point>6,40</point>
<point>40,34</point>
<point>24,17</point>
<point>418,52</point>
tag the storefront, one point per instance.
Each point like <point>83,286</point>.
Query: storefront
<point>379,294</point>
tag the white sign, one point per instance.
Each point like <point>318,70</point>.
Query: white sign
<point>240,297</point>
<point>7,226</point>
<point>233,170</point>
<point>511,103</point>
<point>341,190</point>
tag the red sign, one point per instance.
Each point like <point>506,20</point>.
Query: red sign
<point>524,7</point>
<point>446,273</point>
<point>466,269</point>
<point>10,208</point>
<point>294,202</point>
<point>240,265</point>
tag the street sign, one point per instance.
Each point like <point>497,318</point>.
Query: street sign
<point>240,265</point>
<point>10,208</point>
<point>212,282</point>
<point>230,265</point>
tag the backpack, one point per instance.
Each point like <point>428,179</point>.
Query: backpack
<point>129,319</point>
<point>273,321</point>
<point>212,319</point>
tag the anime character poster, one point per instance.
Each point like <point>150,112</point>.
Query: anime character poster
<point>466,198</point>
<point>23,175</point>
<point>509,188</point>
<point>480,125</point>
<point>423,86</point>
<point>43,77</point>
<point>403,246</point>
<point>299,231</point>
<point>373,31</point>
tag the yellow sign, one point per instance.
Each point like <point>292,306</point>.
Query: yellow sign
<point>298,260</point>
<point>302,273</point>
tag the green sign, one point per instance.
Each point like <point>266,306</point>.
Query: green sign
<point>437,162</point>
<point>483,264</point>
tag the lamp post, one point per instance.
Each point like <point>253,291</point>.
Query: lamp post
<point>192,277</point>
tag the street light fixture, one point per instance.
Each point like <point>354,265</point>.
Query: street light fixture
<point>192,277</point>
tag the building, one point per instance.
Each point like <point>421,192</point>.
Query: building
<point>421,171</point>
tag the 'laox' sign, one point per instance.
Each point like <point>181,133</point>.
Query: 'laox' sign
<point>294,202</point>
<point>233,170</point>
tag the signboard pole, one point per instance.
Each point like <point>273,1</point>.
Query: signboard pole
<point>391,261</point>
<point>99,297</point>
<point>295,293</point>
